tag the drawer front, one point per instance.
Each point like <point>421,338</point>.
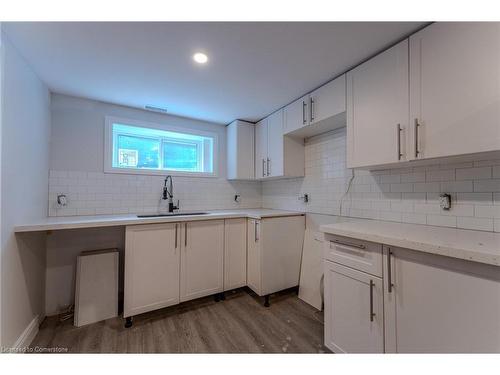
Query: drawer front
<point>360,255</point>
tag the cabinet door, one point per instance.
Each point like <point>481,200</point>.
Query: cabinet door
<point>328,100</point>
<point>296,115</point>
<point>455,89</point>
<point>275,160</point>
<point>254,275</point>
<point>261,149</point>
<point>441,305</point>
<point>240,150</point>
<point>377,107</point>
<point>202,259</point>
<point>235,253</point>
<point>151,267</point>
<point>354,321</point>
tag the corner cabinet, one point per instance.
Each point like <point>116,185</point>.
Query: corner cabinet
<point>240,137</point>
<point>377,109</point>
<point>277,155</point>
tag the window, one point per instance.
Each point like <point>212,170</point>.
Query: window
<point>133,147</point>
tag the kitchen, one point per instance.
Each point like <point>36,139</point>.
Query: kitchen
<point>359,215</point>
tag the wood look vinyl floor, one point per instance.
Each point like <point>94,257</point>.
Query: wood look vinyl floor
<point>239,324</point>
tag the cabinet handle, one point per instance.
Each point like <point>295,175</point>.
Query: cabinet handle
<point>176,225</point>
<point>372,314</point>
<point>268,166</point>
<point>256,231</point>
<point>389,272</point>
<point>349,244</point>
<point>304,112</point>
<point>417,125</point>
<point>263,167</point>
<point>185,234</point>
<point>398,133</point>
<point>311,110</point>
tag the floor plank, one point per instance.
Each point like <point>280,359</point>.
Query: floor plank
<point>240,324</point>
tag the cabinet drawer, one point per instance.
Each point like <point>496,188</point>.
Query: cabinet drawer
<point>360,255</point>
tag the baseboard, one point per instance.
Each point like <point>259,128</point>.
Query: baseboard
<point>28,334</point>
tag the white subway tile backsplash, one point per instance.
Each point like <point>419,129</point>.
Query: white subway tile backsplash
<point>440,175</point>
<point>487,211</point>
<point>475,223</point>
<point>487,185</point>
<point>409,194</point>
<point>475,198</point>
<point>473,173</point>
<point>95,193</point>
<point>456,186</point>
<point>442,221</point>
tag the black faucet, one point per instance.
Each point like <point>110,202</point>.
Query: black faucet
<point>168,194</point>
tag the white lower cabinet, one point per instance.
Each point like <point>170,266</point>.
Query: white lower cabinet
<point>274,253</point>
<point>202,258</point>
<point>235,253</point>
<point>439,304</point>
<point>424,303</point>
<point>152,254</point>
<point>354,310</point>
<point>166,264</point>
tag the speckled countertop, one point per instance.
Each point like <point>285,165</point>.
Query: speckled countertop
<point>477,246</point>
<point>75,222</point>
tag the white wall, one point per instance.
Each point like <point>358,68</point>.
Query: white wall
<point>24,189</point>
<point>408,194</point>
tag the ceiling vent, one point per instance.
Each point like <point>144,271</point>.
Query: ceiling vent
<point>155,109</point>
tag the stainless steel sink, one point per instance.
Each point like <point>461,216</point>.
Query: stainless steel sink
<point>174,214</point>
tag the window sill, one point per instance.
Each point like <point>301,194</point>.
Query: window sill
<point>149,172</point>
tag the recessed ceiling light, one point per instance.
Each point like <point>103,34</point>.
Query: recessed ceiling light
<point>200,58</point>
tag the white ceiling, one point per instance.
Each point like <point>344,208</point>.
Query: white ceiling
<point>253,68</point>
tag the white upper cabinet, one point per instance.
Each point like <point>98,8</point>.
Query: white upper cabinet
<point>240,150</point>
<point>455,89</point>
<point>277,155</point>
<point>436,95</point>
<point>318,112</point>
<point>261,149</point>
<point>275,165</point>
<point>295,115</point>
<point>377,109</point>
<point>327,101</point>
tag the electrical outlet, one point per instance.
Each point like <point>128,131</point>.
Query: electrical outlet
<point>445,201</point>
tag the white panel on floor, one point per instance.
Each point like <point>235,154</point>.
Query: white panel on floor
<point>311,271</point>
<point>96,294</point>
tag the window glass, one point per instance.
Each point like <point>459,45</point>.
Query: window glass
<point>142,148</point>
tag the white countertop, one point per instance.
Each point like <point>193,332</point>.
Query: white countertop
<point>477,246</point>
<point>74,222</point>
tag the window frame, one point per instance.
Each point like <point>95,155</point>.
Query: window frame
<point>108,148</point>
